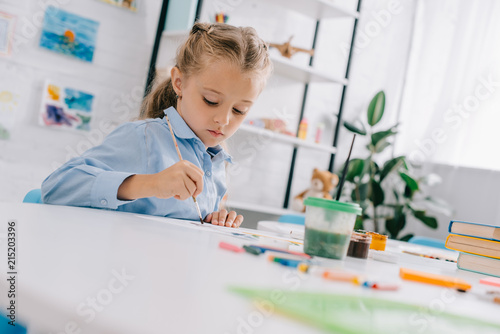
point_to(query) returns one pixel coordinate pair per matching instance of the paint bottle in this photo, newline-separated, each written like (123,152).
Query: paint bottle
(359,245)
(319,132)
(303,129)
(378,241)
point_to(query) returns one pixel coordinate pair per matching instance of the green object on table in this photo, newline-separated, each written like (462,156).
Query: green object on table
(353,314)
(252,250)
(325,244)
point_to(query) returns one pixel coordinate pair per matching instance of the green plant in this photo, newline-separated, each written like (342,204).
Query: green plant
(390,194)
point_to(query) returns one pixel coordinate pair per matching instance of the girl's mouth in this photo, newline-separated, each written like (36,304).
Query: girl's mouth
(215,133)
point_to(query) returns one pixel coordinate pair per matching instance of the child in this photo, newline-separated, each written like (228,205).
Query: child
(220,72)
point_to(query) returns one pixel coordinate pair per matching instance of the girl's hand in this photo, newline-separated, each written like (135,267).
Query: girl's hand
(181,180)
(222,218)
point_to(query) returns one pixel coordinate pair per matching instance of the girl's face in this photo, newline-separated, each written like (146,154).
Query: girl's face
(215,102)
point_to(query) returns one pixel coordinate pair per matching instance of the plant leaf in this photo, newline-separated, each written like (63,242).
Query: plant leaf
(376,108)
(377,193)
(358,225)
(374,168)
(381,145)
(358,128)
(378,136)
(406,237)
(408,193)
(410,182)
(363,191)
(397,223)
(427,220)
(391,165)
(356,168)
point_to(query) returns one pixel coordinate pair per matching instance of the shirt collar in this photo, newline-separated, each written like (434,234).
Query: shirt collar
(218,150)
(179,126)
(182,130)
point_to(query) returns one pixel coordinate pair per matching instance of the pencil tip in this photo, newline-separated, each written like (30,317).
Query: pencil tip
(201,220)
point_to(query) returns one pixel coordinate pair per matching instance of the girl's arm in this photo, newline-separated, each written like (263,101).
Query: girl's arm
(93,179)
(113,174)
(182,180)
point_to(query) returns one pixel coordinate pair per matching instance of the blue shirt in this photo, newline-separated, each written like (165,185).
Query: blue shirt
(141,147)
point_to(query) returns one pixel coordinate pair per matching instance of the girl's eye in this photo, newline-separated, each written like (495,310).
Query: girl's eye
(236,111)
(210,103)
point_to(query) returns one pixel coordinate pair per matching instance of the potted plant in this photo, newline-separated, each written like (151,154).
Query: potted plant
(389,192)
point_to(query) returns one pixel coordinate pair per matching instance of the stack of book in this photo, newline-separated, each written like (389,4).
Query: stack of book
(479,245)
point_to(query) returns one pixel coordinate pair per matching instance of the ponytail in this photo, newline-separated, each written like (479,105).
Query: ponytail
(162,96)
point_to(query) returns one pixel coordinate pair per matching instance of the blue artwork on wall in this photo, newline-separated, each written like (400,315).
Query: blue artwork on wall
(66,108)
(78,100)
(69,34)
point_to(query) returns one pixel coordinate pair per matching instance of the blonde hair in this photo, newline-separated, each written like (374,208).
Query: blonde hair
(208,43)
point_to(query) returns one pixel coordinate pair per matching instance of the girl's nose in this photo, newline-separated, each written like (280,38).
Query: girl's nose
(222,117)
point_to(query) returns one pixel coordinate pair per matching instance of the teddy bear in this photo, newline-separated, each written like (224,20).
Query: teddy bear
(322,182)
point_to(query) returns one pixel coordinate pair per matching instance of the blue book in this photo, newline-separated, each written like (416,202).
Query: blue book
(490,232)
(479,264)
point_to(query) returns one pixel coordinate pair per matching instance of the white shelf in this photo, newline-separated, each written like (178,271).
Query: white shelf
(316,9)
(282,65)
(261,208)
(278,137)
(302,73)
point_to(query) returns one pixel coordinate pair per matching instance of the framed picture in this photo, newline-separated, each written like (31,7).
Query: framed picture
(69,34)
(131,5)
(9,107)
(7,24)
(66,107)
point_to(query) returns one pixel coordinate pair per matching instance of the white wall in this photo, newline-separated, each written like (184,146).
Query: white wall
(117,75)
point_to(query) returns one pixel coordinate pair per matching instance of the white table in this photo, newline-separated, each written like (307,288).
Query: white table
(67,256)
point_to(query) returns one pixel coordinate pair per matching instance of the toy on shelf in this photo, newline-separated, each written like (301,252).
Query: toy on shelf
(287,50)
(303,129)
(221,17)
(319,133)
(273,124)
(322,182)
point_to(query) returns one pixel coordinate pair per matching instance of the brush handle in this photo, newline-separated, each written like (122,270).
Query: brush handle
(180,158)
(341,183)
(173,138)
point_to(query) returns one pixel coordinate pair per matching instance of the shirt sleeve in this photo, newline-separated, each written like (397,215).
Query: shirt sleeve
(93,179)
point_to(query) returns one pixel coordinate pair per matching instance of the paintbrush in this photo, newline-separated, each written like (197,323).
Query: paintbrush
(346,165)
(180,158)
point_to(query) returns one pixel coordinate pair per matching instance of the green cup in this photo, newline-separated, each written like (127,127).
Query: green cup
(329,225)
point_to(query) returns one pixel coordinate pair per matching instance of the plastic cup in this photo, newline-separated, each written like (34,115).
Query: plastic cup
(329,225)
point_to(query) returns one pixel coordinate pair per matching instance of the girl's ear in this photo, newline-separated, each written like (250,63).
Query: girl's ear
(176,76)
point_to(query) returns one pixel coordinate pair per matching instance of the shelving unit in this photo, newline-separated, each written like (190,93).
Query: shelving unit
(317,10)
(305,74)
(282,66)
(278,137)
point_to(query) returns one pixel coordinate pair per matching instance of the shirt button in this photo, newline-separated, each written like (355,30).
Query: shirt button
(208,173)
(104,202)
